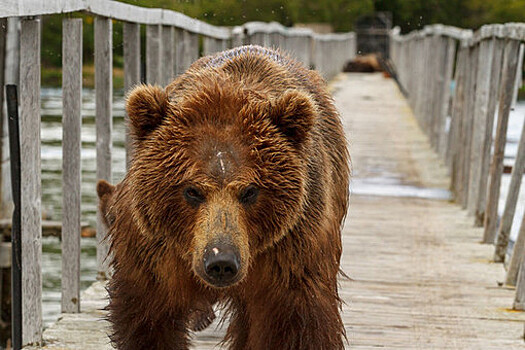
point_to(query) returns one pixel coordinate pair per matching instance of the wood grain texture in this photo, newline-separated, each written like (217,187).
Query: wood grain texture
(510,63)
(111,9)
(71,172)
(511,201)
(420,280)
(483,80)
(153,54)
(167,60)
(131,71)
(31,192)
(516,268)
(104,123)
(496,68)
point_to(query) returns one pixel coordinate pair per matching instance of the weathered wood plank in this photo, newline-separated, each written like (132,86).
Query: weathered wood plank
(71,173)
(496,68)
(445,101)
(469,125)
(510,63)
(113,9)
(167,63)
(31,219)
(519,269)
(505,225)
(153,54)
(516,262)
(104,123)
(131,71)
(180,48)
(486,55)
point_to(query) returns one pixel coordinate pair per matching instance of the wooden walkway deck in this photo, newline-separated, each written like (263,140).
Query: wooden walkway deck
(420,277)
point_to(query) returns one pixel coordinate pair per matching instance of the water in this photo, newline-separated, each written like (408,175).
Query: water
(52,186)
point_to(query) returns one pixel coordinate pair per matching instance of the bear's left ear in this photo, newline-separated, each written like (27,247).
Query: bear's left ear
(294,114)
(146,106)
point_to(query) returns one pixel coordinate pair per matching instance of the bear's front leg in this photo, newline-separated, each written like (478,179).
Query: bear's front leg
(141,320)
(296,319)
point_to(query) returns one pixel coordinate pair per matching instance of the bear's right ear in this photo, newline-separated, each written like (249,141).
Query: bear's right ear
(146,106)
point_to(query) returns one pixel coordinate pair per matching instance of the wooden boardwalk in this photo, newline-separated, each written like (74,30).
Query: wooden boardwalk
(420,277)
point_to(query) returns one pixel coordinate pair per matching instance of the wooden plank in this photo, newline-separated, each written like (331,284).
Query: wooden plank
(180,48)
(104,123)
(519,269)
(496,68)
(446,96)
(470,122)
(516,260)
(486,55)
(457,120)
(131,72)
(519,76)
(193,48)
(510,63)
(167,63)
(505,225)
(153,54)
(31,219)
(71,173)
(113,9)
(209,46)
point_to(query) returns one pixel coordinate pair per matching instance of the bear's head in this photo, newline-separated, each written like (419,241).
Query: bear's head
(219,173)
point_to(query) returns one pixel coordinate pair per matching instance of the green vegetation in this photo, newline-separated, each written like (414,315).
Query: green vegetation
(341,14)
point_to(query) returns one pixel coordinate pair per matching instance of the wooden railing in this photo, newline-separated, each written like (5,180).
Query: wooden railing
(172,44)
(485,67)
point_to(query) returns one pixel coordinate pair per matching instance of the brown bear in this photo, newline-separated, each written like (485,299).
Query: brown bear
(235,194)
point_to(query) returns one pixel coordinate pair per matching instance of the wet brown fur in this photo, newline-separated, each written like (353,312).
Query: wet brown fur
(248,116)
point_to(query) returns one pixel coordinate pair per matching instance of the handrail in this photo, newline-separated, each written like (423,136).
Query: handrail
(114,10)
(488,66)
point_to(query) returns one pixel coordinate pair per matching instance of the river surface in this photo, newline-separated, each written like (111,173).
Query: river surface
(52,184)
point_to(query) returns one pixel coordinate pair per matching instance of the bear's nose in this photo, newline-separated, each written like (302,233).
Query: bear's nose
(221,263)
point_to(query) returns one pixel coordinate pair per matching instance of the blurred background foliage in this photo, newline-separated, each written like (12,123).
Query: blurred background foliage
(340,14)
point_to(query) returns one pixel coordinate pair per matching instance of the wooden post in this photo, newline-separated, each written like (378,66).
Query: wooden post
(516,259)
(167,63)
(193,48)
(510,204)
(131,71)
(498,48)
(30,182)
(104,123)
(179,51)
(519,301)
(519,76)
(469,125)
(71,146)
(445,95)
(457,120)
(153,54)
(486,54)
(510,64)
(209,46)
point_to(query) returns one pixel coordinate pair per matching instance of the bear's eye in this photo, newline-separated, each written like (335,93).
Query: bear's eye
(193,196)
(249,195)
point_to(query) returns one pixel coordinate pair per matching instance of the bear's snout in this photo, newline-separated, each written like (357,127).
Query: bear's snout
(221,264)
